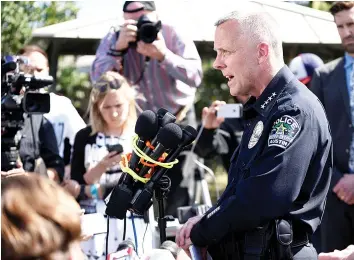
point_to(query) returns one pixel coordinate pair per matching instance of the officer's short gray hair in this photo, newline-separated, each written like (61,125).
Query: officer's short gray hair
(259,26)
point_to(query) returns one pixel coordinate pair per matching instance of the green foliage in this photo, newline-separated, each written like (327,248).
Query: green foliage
(214,87)
(321,5)
(19,18)
(75,85)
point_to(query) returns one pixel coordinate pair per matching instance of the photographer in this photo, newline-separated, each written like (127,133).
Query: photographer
(165,71)
(219,136)
(26,136)
(63,115)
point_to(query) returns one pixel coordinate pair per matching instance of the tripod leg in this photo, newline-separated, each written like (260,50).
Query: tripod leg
(161,220)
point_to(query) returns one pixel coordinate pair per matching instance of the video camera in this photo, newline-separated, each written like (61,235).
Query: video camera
(19,94)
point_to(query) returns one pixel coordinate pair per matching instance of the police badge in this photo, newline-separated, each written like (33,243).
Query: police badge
(256,134)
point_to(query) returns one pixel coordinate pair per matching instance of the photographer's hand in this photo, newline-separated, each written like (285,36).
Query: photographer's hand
(127,33)
(209,115)
(155,50)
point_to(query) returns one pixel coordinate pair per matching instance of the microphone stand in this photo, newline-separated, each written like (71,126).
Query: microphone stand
(161,220)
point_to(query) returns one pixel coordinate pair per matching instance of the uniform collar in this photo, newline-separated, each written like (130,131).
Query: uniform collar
(267,99)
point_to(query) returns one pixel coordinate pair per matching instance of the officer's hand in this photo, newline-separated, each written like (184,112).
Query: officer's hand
(345,189)
(209,115)
(155,50)
(127,33)
(346,254)
(182,236)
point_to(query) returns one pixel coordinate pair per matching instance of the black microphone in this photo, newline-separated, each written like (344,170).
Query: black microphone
(146,128)
(142,198)
(120,198)
(189,135)
(168,137)
(164,117)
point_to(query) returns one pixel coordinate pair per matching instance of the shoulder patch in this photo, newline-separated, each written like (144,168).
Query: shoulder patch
(283,132)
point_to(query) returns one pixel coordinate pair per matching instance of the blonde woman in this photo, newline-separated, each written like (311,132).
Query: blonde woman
(94,170)
(39,220)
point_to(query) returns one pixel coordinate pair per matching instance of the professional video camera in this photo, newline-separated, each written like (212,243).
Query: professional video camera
(156,146)
(19,94)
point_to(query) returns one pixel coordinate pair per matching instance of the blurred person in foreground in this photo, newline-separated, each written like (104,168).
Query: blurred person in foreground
(166,72)
(303,66)
(333,84)
(280,173)
(63,116)
(39,220)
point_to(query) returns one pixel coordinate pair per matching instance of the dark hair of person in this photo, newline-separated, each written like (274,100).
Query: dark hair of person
(341,6)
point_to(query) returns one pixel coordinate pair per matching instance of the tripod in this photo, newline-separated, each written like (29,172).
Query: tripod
(162,219)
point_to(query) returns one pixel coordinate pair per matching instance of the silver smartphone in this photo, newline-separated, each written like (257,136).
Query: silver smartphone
(230,111)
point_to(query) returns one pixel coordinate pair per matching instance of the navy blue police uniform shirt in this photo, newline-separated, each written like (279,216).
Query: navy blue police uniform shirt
(282,168)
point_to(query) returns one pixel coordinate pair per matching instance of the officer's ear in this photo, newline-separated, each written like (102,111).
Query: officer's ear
(262,52)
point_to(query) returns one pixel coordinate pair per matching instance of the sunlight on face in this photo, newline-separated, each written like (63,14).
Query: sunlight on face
(234,57)
(38,64)
(114,108)
(345,25)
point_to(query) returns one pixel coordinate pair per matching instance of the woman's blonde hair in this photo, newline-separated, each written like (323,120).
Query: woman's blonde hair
(39,219)
(109,81)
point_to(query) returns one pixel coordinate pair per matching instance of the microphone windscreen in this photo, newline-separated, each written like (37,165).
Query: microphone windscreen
(189,134)
(161,112)
(170,136)
(170,246)
(147,125)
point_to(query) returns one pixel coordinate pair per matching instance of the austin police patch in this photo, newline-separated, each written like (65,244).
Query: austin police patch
(283,132)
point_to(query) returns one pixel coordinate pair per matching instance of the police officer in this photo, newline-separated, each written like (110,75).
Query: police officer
(280,173)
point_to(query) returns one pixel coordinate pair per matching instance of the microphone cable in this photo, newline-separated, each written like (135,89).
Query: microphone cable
(203,166)
(107,237)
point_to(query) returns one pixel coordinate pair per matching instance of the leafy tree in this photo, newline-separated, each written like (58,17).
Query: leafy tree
(19,18)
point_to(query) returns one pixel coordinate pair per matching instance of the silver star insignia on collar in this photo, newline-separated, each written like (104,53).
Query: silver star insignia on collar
(263,106)
(274,94)
(270,98)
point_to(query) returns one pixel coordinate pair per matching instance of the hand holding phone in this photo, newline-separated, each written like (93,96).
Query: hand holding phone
(230,111)
(118,148)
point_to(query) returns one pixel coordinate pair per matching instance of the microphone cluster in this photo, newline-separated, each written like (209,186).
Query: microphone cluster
(158,143)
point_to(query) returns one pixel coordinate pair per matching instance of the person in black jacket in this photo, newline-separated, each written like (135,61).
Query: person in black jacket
(36,141)
(219,136)
(333,84)
(281,170)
